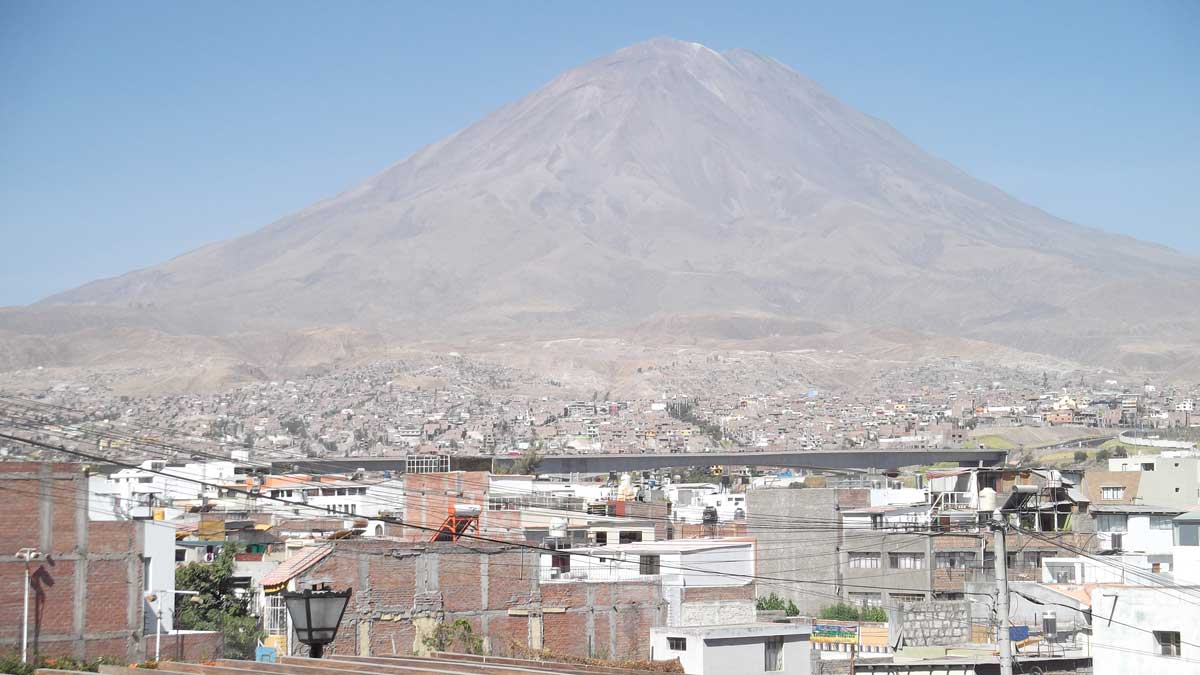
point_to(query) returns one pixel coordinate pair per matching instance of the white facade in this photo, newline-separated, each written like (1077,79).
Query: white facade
(681,562)
(1133,569)
(1144,630)
(354,497)
(1134,529)
(158,554)
(689,500)
(745,649)
(160,482)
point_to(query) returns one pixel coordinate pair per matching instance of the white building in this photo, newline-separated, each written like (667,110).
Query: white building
(1137,629)
(1185,554)
(677,565)
(1136,528)
(678,562)
(689,500)
(155,482)
(366,498)
(746,649)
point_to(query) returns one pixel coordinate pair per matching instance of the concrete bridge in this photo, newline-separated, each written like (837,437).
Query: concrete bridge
(812,459)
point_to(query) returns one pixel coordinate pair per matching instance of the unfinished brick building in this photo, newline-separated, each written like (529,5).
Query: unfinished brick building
(402,591)
(86,599)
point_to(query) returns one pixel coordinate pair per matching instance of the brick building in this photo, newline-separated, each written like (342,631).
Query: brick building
(87,592)
(86,596)
(403,590)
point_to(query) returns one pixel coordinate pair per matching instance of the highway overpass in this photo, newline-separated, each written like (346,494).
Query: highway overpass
(604,463)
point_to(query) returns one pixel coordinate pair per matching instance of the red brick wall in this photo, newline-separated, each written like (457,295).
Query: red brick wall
(395,582)
(108,557)
(701,531)
(205,646)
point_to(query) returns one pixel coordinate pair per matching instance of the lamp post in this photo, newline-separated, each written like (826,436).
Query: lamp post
(28,555)
(316,615)
(156,598)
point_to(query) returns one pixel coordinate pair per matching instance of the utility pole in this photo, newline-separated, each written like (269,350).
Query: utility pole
(1001,565)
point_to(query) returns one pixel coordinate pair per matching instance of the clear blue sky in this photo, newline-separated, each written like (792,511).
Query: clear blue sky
(131,132)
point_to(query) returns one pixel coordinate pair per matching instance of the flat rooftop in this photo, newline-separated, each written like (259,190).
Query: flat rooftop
(736,630)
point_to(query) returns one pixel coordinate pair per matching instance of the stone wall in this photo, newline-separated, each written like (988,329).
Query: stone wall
(933,624)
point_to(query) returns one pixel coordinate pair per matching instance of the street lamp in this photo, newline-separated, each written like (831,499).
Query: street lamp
(315,616)
(156,598)
(28,555)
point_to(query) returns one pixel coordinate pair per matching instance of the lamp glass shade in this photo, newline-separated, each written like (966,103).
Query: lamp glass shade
(316,615)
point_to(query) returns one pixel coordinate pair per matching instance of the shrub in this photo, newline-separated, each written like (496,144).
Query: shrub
(1081,456)
(775,603)
(875,614)
(840,612)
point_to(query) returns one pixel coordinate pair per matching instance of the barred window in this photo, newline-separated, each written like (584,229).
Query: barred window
(864,560)
(906,561)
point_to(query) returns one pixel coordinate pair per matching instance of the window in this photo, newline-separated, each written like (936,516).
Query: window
(867,599)
(953,560)
(906,597)
(1161,522)
(276,623)
(561,562)
(1148,466)
(677,644)
(906,561)
(648,564)
(629,537)
(1168,642)
(864,561)
(1111,522)
(773,654)
(1112,492)
(1187,534)
(601,537)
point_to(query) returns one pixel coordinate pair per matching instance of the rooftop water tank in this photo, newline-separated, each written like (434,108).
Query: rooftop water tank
(987,500)
(558,527)
(467,510)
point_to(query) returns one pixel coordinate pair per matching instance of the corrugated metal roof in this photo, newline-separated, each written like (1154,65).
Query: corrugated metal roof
(1135,508)
(297,564)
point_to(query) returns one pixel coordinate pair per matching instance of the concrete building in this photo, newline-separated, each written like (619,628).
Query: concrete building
(1135,528)
(1164,480)
(807,555)
(746,649)
(1145,630)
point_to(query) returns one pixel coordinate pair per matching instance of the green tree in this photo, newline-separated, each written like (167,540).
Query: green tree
(527,464)
(217,607)
(1103,456)
(1081,456)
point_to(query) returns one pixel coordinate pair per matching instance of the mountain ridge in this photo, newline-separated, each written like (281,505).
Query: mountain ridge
(666,180)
